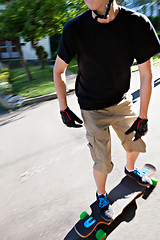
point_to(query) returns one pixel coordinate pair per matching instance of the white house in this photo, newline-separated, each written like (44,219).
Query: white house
(9,51)
(29,51)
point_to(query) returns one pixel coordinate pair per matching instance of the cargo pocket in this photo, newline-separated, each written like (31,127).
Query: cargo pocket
(91,144)
(91,140)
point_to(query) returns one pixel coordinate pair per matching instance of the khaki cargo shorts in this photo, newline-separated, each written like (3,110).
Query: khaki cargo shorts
(120,116)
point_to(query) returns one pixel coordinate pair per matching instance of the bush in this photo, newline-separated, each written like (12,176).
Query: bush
(4,77)
(5,81)
(4,70)
(5,88)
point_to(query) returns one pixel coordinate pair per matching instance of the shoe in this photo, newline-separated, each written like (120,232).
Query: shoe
(105,208)
(140,177)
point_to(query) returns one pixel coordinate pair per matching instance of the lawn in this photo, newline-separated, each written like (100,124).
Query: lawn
(42,83)
(42,80)
(73,66)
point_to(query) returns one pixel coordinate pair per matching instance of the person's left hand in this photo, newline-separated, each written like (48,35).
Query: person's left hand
(140,126)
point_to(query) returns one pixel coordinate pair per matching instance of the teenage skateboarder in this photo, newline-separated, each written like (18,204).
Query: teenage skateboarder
(106,39)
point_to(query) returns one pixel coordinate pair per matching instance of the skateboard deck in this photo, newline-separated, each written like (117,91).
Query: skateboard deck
(120,197)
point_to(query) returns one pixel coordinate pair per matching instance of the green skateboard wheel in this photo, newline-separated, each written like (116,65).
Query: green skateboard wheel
(84,215)
(154,181)
(101,235)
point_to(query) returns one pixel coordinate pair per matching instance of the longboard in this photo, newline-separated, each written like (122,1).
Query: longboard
(120,197)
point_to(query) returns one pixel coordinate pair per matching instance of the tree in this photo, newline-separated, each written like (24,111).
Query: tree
(75,7)
(36,19)
(10,29)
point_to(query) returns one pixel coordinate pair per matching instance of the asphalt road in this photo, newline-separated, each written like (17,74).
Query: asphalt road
(46,173)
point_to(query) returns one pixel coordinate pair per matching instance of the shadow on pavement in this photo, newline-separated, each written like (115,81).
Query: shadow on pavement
(3,111)
(156,82)
(136,94)
(7,116)
(127,215)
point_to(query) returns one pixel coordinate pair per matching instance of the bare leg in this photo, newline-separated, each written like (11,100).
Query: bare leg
(131,159)
(100,179)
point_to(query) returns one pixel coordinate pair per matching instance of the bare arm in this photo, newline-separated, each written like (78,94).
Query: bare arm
(140,125)
(145,70)
(68,117)
(59,81)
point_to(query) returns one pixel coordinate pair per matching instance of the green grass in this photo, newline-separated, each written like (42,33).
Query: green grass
(73,67)
(41,85)
(156,60)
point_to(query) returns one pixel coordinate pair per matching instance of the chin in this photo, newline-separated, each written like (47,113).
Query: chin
(91,5)
(92,9)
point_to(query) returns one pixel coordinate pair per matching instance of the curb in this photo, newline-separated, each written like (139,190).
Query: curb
(10,101)
(46,97)
(13,101)
(40,98)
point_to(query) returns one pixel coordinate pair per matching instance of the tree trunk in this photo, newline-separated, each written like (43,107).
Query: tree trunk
(40,56)
(24,62)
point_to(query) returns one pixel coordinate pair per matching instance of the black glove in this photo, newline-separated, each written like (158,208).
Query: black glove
(69,118)
(140,126)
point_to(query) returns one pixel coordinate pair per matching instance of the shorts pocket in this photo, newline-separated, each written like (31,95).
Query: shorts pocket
(91,140)
(91,145)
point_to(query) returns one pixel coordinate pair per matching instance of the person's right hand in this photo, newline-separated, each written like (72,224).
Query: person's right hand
(70,119)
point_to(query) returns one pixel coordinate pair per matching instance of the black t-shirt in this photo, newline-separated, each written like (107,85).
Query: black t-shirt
(105,54)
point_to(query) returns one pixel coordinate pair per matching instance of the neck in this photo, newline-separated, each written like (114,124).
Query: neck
(112,13)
